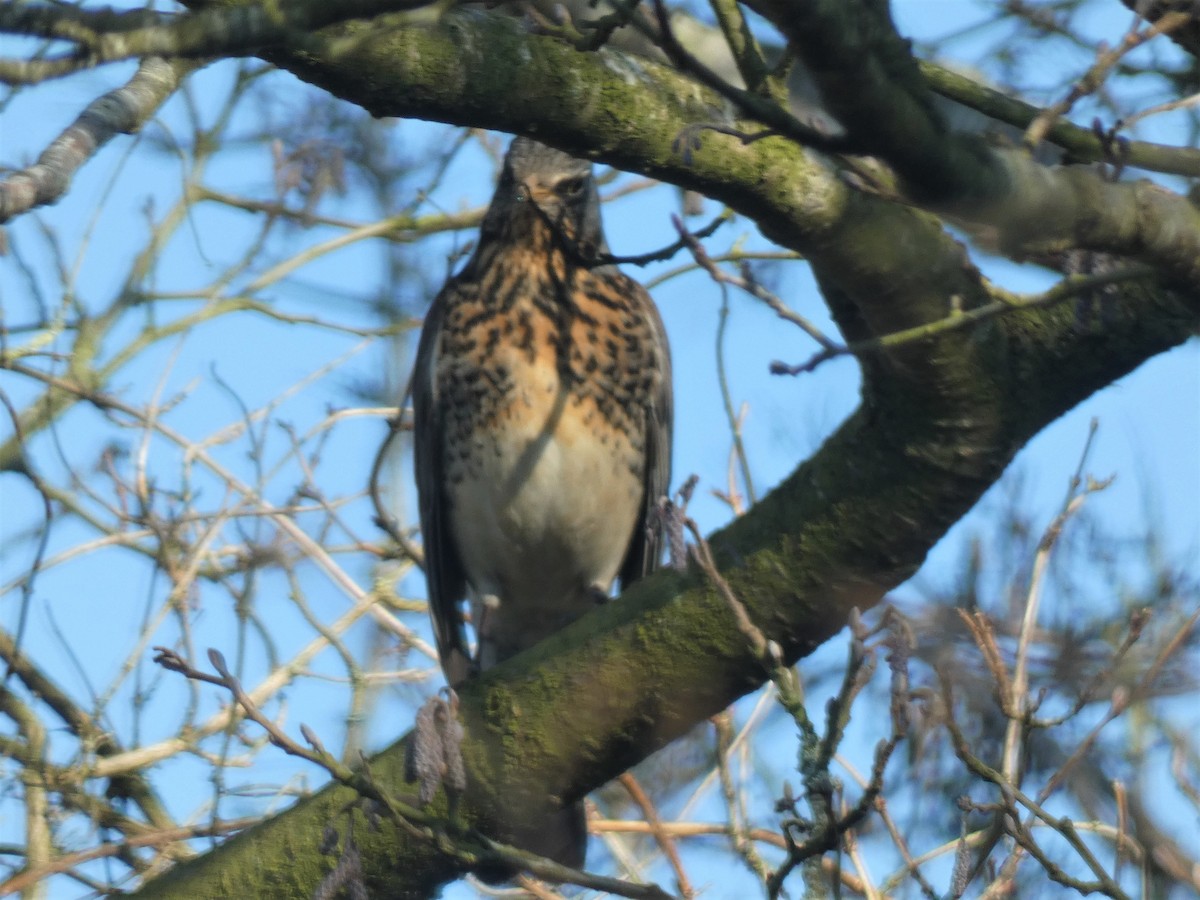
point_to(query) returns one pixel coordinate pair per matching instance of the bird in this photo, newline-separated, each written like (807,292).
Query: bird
(543,412)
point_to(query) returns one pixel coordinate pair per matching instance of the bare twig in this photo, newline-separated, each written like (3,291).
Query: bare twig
(1095,76)
(471,852)
(1071,286)
(751,286)
(150,839)
(664,839)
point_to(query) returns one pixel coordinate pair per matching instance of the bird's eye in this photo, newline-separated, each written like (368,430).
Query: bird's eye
(572,187)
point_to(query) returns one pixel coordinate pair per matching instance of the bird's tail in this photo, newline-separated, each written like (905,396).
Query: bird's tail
(560,836)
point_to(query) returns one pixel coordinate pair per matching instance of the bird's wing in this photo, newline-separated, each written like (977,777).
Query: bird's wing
(443,568)
(645,549)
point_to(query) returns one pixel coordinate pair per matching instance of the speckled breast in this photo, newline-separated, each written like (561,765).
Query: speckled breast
(546,376)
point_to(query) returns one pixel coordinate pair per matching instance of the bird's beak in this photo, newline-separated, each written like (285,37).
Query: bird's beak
(533,190)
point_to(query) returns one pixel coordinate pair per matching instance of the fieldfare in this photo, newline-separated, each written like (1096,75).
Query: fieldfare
(543,409)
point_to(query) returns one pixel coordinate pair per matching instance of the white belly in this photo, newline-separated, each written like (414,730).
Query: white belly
(544,521)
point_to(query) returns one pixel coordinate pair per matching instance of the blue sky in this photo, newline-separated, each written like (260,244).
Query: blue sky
(1149,422)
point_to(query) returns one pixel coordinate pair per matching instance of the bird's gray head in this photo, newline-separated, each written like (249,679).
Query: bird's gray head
(542,185)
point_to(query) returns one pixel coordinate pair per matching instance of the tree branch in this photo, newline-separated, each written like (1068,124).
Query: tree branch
(939,426)
(1082,144)
(875,89)
(121,111)
(940,420)
(105,36)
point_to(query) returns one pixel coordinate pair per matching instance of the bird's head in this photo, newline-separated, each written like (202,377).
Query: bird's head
(541,186)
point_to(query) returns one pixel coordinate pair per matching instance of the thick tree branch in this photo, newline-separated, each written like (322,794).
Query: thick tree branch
(875,90)
(105,36)
(449,72)
(939,422)
(630,677)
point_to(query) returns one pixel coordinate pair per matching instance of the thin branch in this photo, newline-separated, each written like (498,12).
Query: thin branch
(1071,286)
(1095,76)
(1017,729)
(686,239)
(751,286)
(1082,143)
(664,839)
(472,854)
(104,36)
(121,111)
(30,877)
(765,110)
(1063,825)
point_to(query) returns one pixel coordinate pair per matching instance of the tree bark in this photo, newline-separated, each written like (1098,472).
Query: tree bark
(939,421)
